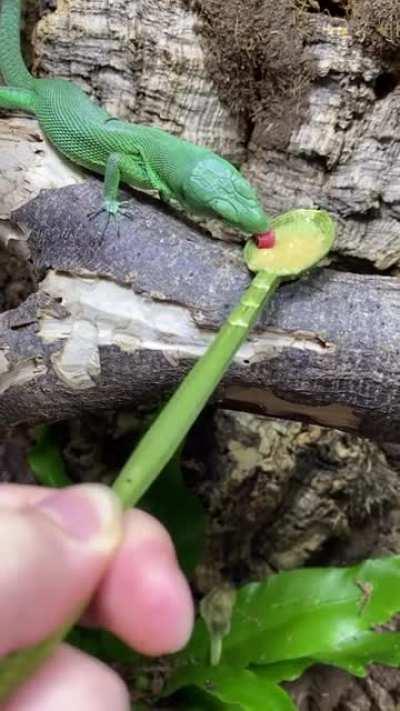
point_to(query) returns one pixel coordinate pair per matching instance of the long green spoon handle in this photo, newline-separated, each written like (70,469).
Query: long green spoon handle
(163,438)
(160,443)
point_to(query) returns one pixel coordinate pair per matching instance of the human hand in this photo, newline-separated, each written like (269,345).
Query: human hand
(60,549)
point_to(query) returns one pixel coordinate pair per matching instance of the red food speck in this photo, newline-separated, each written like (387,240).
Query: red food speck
(266,240)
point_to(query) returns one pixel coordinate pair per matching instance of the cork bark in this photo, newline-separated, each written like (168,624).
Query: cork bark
(150,62)
(120,317)
(327,350)
(117,321)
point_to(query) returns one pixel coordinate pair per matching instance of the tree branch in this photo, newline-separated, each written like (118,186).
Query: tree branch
(118,320)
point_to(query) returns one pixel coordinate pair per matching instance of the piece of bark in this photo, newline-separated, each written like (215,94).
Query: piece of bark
(282,495)
(120,319)
(365,372)
(147,62)
(143,61)
(28,164)
(344,157)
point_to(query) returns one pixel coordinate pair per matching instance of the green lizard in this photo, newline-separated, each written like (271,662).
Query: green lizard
(143,156)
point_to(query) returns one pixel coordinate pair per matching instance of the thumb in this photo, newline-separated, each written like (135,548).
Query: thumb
(53,555)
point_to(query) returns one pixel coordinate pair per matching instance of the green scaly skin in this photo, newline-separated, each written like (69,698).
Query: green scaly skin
(143,156)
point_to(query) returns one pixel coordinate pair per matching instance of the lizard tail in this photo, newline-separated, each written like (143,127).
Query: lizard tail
(12,65)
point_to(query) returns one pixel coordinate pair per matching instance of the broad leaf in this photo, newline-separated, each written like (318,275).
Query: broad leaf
(194,699)
(284,671)
(310,615)
(356,654)
(238,688)
(46,461)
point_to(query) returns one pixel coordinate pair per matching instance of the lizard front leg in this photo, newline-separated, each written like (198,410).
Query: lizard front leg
(20,99)
(113,175)
(112,178)
(156,183)
(132,168)
(121,167)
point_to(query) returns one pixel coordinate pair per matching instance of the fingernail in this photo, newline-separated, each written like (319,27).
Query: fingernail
(85,512)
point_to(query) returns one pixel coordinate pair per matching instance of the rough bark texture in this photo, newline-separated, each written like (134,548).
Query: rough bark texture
(151,65)
(284,495)
(344,157)
(143,61)
(120,318)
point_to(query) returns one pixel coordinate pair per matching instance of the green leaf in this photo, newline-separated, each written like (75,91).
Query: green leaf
(194,699)
(169,500)
(239,688)
(46,461)
(356,654)
(310,615)
(284,671)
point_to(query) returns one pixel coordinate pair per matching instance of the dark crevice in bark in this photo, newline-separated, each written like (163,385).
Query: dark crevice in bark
(16,279)
(332,7)
(356,265)
(385,84)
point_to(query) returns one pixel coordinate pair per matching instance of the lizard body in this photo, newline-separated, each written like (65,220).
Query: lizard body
(143,156)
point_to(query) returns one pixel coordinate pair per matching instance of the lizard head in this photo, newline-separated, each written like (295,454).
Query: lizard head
(215,188)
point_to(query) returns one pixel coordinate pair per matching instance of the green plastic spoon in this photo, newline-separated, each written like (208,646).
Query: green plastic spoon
(303,238)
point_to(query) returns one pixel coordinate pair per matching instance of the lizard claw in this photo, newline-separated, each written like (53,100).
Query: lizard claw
(95,213)
(128,212)
(112,214)
(109,216)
